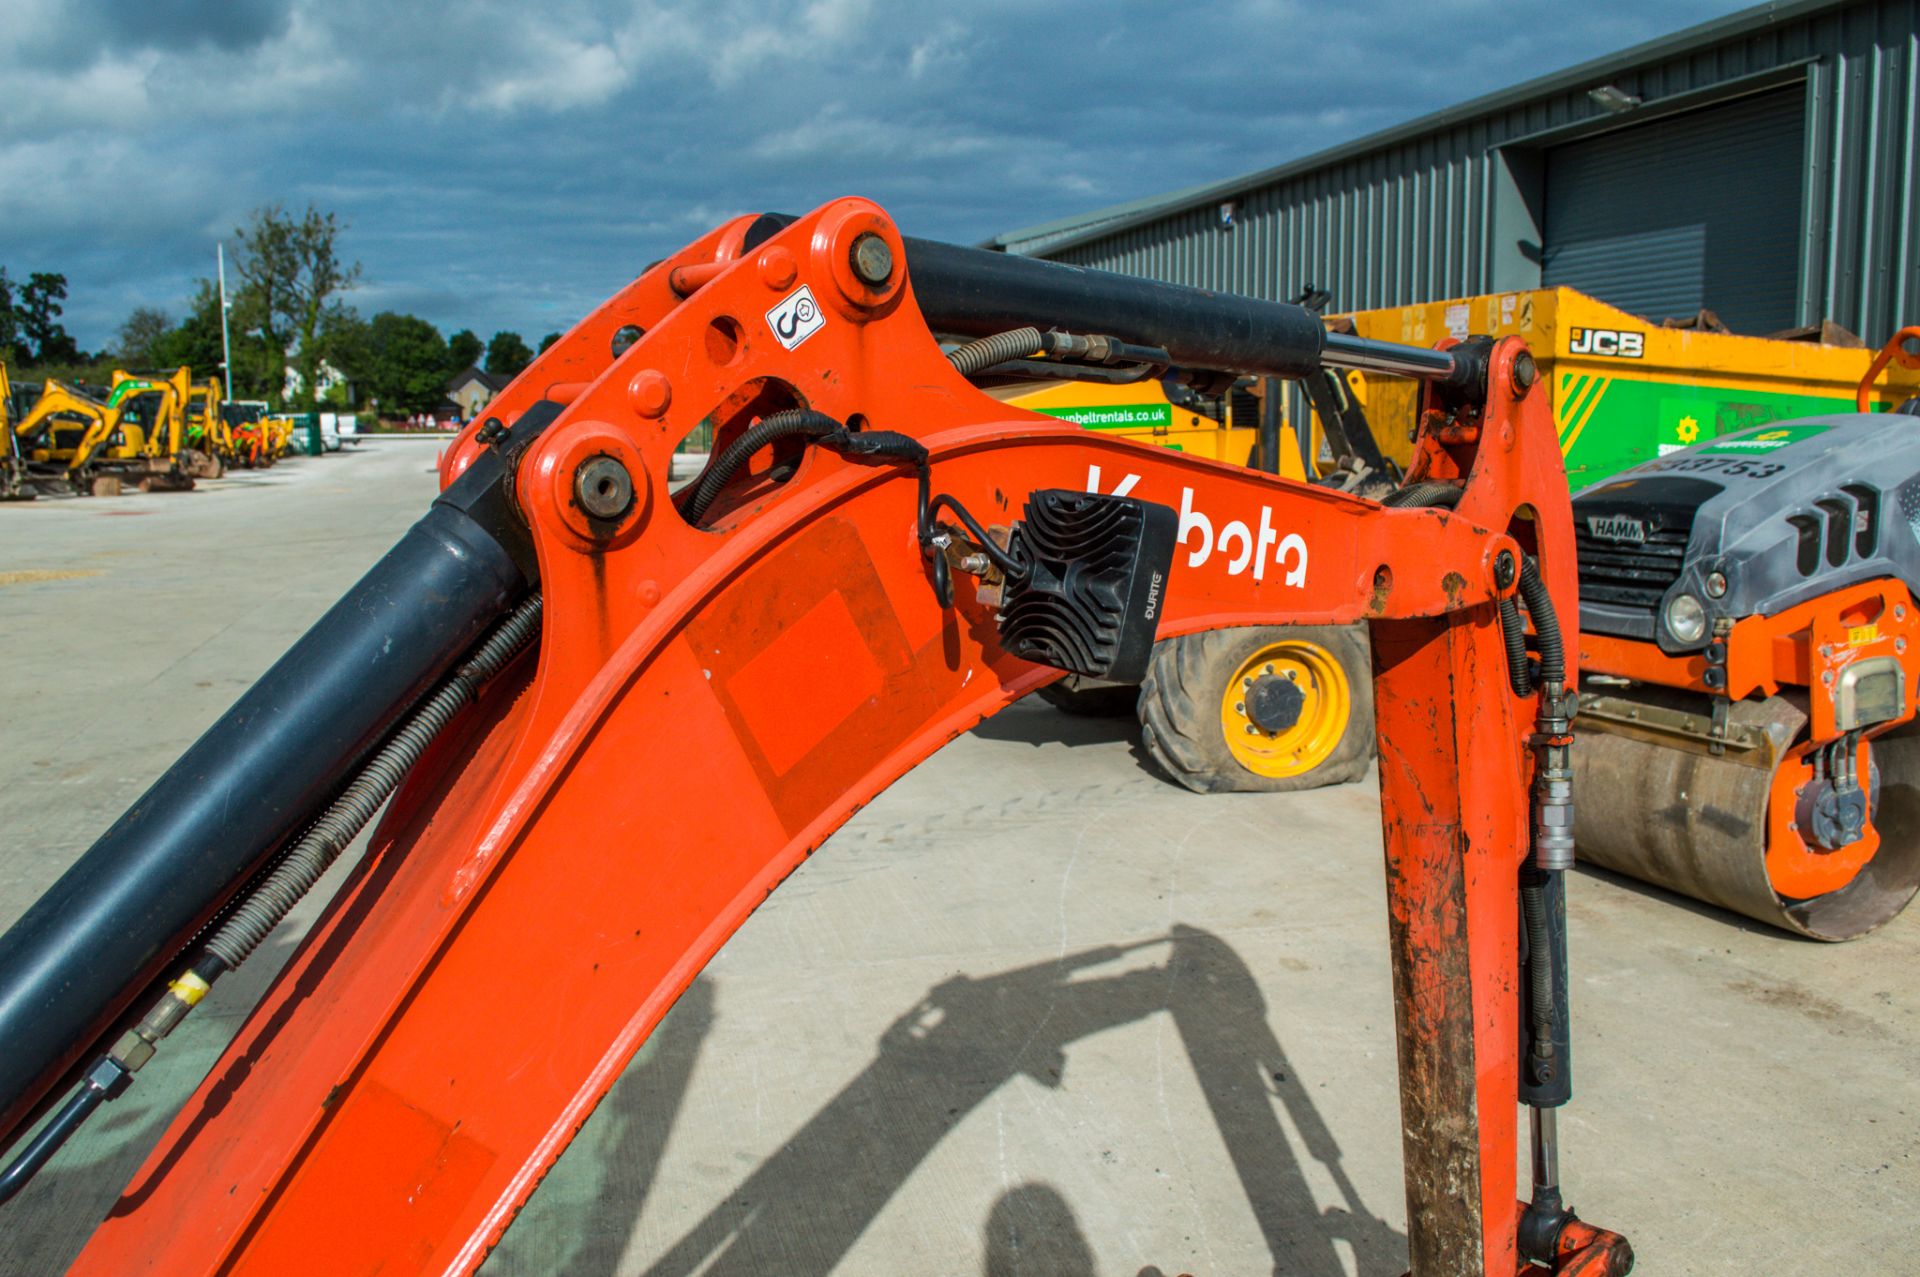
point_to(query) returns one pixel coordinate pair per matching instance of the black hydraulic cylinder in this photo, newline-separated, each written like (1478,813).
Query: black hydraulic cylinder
(106,929)
(978,292)
(1546,1030)
(973,292)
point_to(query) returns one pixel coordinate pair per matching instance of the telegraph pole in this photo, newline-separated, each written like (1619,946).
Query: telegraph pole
(226,346)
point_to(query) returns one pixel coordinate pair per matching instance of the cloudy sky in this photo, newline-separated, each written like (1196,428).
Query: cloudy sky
(506,164)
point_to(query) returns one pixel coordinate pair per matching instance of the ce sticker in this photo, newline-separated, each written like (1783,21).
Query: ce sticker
(796,318)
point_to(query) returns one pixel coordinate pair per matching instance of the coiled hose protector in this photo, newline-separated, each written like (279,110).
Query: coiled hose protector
(302,866)
(978,356)
(1513,633)
(1424,493)
(1533,907)
(1546,630)
(794,421)
(1546,623)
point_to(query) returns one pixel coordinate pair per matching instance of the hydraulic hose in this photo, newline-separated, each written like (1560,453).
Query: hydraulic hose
(1513,632)
(977,356)
(268,902)
(109,929)
(781,425)
(92,1094)
(1424,493)
(1546,625)
(1546,629)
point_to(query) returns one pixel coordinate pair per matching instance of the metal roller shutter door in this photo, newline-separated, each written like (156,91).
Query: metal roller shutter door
(1697,210)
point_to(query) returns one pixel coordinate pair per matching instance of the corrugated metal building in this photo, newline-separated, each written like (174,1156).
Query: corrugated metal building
(1761,165)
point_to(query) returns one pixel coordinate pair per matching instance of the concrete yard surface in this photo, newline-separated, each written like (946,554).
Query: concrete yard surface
(1033,1011)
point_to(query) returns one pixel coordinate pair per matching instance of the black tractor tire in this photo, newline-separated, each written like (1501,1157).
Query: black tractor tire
(1181,717)
(1091,700)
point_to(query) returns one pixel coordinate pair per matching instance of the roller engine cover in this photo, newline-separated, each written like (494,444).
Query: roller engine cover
(1750,523)
(1096,576)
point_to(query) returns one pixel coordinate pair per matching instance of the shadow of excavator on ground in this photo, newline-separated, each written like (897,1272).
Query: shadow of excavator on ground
(803,1209)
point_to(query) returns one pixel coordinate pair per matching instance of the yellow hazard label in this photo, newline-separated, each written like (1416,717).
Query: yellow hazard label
(1861,635)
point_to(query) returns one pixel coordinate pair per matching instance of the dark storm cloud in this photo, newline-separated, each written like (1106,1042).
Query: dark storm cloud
(505,165)
(94,26)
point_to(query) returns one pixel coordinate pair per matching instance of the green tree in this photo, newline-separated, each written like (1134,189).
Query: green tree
(507,354)
(346,342)
(140,335)
(291,275)
(195,340)
(547,341)
(37,314)
(10,349)
(463,351)
(403,363)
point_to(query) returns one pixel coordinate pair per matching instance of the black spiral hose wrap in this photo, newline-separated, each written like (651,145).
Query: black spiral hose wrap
(304,863)
(1424,493)
(977,356)
(1533,905)
(1546,625)
(794,421)
(1513,632)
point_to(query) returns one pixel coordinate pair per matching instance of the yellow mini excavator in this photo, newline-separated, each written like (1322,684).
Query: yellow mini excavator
(207,435)
(93,446)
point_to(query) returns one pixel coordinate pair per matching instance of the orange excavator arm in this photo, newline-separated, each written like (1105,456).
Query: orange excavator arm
(721,677)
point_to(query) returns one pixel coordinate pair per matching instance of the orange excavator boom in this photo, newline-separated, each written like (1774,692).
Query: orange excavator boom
(690,692)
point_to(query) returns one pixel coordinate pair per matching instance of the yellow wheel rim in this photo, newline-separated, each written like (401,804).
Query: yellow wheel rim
(1274,748)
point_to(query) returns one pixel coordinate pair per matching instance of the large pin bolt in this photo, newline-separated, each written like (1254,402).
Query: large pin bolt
(1525,372)
(603,488)
(872,259)
(1505,570)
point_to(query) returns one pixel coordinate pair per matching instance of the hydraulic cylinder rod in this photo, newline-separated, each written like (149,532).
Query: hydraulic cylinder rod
(104,931)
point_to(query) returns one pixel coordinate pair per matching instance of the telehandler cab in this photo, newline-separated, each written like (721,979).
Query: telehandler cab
(877,556)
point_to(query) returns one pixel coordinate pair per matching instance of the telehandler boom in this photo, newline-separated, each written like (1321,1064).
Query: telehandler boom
(878,556)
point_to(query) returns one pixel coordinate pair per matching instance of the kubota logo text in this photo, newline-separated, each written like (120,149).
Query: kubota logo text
(1243,547)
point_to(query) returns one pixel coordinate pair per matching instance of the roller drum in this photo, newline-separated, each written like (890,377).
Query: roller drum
(1672,813)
